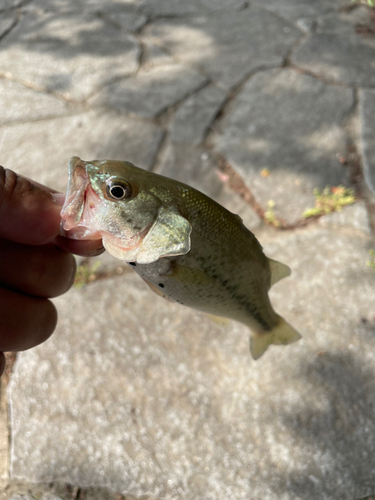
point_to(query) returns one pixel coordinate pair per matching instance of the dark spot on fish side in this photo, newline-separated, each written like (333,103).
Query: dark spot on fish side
(132,263)
(161,285)
(137,228)
(129,220)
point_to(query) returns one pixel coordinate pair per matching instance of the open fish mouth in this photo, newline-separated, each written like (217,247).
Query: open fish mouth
(80,204)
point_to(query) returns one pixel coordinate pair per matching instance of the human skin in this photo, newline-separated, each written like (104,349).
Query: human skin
(36,263)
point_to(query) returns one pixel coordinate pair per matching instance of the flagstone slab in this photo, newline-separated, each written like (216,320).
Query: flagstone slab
(367,114)
(283,135)
(344,59)
(344,23)
(27,104)
(150,398)
(195,116)
(183,8)
(130,21)
(69,54)
(10,4)
(41,150)
(79,5)
(192,165)
(227,45)
(352,217)
(153,56)
(151,91)
(301,9)
(7,21)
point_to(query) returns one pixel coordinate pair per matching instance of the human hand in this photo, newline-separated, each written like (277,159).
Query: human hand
(36,263)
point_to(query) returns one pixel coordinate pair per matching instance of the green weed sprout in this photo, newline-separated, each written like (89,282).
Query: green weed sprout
(371,263)
(330,200)
(270,215)
(370,3)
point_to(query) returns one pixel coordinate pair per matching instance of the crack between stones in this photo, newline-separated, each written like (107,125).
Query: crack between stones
(30,85)
(287,59)
(238,185)
(355,162)
(280,16)
(17,7)
(231,95)
(101,87)
(15,123)
(160,151)
(166,114)
(152,18)
(12,26)
(326,81)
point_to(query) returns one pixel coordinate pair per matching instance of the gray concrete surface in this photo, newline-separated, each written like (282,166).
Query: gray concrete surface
(135,397)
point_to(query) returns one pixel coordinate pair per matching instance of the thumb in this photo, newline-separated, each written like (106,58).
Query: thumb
(29,213)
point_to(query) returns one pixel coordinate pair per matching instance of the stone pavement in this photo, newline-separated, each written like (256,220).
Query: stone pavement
(256,103)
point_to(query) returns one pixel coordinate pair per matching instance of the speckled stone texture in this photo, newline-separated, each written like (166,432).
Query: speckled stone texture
(367,111)
(90,135)
(67,54)
(291,125)
(144,396)
(249,102)
(257,39)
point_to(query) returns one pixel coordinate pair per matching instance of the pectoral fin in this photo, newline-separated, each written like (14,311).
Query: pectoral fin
(169,235)
(282,334)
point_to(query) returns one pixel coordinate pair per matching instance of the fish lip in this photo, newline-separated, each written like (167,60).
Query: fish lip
(75,205)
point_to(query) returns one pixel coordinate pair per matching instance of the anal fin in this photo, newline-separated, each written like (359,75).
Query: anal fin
(218,320)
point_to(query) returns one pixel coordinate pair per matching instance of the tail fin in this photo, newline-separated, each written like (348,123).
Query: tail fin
(282,334)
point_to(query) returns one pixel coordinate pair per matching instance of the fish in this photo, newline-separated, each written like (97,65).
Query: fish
(186,247)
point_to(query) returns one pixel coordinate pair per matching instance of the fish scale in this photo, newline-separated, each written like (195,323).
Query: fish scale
(188,248)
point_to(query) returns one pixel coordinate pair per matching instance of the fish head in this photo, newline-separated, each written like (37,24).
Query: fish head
(118,202)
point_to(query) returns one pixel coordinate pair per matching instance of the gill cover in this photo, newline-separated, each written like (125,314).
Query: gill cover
(169,235)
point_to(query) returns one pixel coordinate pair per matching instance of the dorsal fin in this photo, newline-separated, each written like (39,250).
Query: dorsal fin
(278,270)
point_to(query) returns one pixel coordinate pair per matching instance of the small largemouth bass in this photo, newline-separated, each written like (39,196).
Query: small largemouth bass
(187,248)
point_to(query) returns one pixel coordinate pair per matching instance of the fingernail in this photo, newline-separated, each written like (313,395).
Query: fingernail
(58,198)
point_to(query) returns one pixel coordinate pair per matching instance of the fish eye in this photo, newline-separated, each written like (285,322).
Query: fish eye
(118,190)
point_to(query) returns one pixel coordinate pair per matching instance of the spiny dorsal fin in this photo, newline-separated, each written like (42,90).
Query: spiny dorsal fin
(278,270)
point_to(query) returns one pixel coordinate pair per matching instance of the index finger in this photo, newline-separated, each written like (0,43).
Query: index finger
(28,213)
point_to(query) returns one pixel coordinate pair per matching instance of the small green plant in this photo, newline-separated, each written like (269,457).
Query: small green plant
(330,200)
(371,263)
(270,215)
(370,3)
(86,273)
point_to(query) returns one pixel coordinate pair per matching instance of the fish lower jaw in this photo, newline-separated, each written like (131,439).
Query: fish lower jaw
(75,232)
